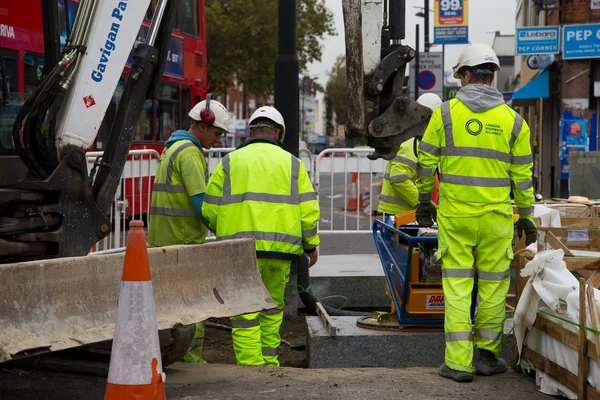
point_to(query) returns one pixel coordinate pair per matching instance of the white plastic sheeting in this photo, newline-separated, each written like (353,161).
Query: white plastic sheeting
(551,289)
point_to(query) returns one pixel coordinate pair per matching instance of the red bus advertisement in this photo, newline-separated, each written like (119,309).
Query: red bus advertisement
(184,80)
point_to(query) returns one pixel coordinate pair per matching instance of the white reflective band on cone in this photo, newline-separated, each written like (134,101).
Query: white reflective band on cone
(135,343)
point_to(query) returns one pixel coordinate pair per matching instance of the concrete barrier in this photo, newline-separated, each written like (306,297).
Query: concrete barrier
(56,304)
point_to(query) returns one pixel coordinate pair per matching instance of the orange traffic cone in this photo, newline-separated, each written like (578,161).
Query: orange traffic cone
(355,202)
(135,370)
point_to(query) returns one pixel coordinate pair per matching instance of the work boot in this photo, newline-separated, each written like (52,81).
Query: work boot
(489,364)
(457,376)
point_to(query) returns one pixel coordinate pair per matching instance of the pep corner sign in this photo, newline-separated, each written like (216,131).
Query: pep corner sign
(581,41)
(538,40)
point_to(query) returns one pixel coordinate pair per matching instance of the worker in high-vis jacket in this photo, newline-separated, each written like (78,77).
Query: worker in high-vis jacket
(399,192)
(180,186)
(262,191)
(483,149)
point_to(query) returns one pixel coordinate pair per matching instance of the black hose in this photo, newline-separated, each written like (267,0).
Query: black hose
(309,300)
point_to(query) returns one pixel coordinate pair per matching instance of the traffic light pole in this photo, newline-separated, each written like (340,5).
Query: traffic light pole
(286,74)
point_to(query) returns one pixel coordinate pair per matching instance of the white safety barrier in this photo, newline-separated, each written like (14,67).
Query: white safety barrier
(133,196)
(334,167)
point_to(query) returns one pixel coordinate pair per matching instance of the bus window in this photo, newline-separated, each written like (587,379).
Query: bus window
(189,17)
(175,20)
(185,102)
(148,16)
(15,99)
(32,72)
(167,113)
(143,126)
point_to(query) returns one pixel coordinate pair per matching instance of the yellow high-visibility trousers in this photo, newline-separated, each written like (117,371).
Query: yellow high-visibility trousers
(194,353)
(256,336)
(491,237)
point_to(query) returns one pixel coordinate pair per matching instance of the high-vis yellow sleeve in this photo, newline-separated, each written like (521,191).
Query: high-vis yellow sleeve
(400,177)
(521,174)
(212,199)
(309,210)
(191,166)
(430,150)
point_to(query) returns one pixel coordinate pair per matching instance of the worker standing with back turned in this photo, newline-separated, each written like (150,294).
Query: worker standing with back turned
(399,192)
(179,188)
(262,191)
(483,148)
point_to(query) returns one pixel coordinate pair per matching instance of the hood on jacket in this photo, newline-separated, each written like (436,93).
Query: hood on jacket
(480,98)
(182,135)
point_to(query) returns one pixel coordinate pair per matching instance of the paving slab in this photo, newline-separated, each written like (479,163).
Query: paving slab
(359,278)
(356,347)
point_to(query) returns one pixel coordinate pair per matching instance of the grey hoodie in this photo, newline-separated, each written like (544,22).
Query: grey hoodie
(480,98)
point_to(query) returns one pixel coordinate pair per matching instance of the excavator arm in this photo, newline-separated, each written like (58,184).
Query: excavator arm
(56,211)
(376,66)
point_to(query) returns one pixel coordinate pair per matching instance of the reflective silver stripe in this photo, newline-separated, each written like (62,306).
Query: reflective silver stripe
(229,198)
(477,152)
(396,178)
(309,233)
(212,199)
(525,211)
(458,273)
(488,335)
(272,236)
(406,161)
(522,160)
(271,311)
(168,186)
(270,352)
(425,196)
(429,148)
(426,172)
(524,185)
(197,343)
(515,130)
(493,276)
(172,212)
(309,196)
(163,187)
(244,323)
(393,200)
(475,181)
(447,119)
(458,336)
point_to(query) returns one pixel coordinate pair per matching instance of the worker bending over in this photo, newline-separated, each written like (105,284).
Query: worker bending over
(262,191)
(482,147)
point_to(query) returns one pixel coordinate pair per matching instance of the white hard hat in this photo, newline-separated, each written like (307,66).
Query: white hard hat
(216,114)
(269,113)
(430,100)
(476,54)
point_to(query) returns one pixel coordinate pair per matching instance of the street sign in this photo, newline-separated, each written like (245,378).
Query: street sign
(451,92)
(595,5)
(426,80)
(581,41)
(536,41)
(451,22)
(431,75)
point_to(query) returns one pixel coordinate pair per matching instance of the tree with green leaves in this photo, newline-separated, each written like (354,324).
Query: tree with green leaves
(336,89)
(242,40)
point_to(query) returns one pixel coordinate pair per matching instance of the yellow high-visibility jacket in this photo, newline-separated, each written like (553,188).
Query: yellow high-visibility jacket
(399,193)
(483,149)
(262,191)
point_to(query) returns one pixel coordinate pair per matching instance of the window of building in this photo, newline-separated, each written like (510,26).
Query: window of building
(168,111)
(189,17)
(527,12)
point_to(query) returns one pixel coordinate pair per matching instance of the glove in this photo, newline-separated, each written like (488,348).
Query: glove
(529,228)
(426,212)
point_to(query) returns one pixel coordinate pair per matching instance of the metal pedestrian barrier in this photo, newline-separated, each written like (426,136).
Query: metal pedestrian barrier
(133,196)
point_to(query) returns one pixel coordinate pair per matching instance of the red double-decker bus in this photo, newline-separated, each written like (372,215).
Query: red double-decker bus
(22,54)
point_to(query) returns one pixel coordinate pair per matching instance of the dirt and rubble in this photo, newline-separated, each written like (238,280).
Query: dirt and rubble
(222,379)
